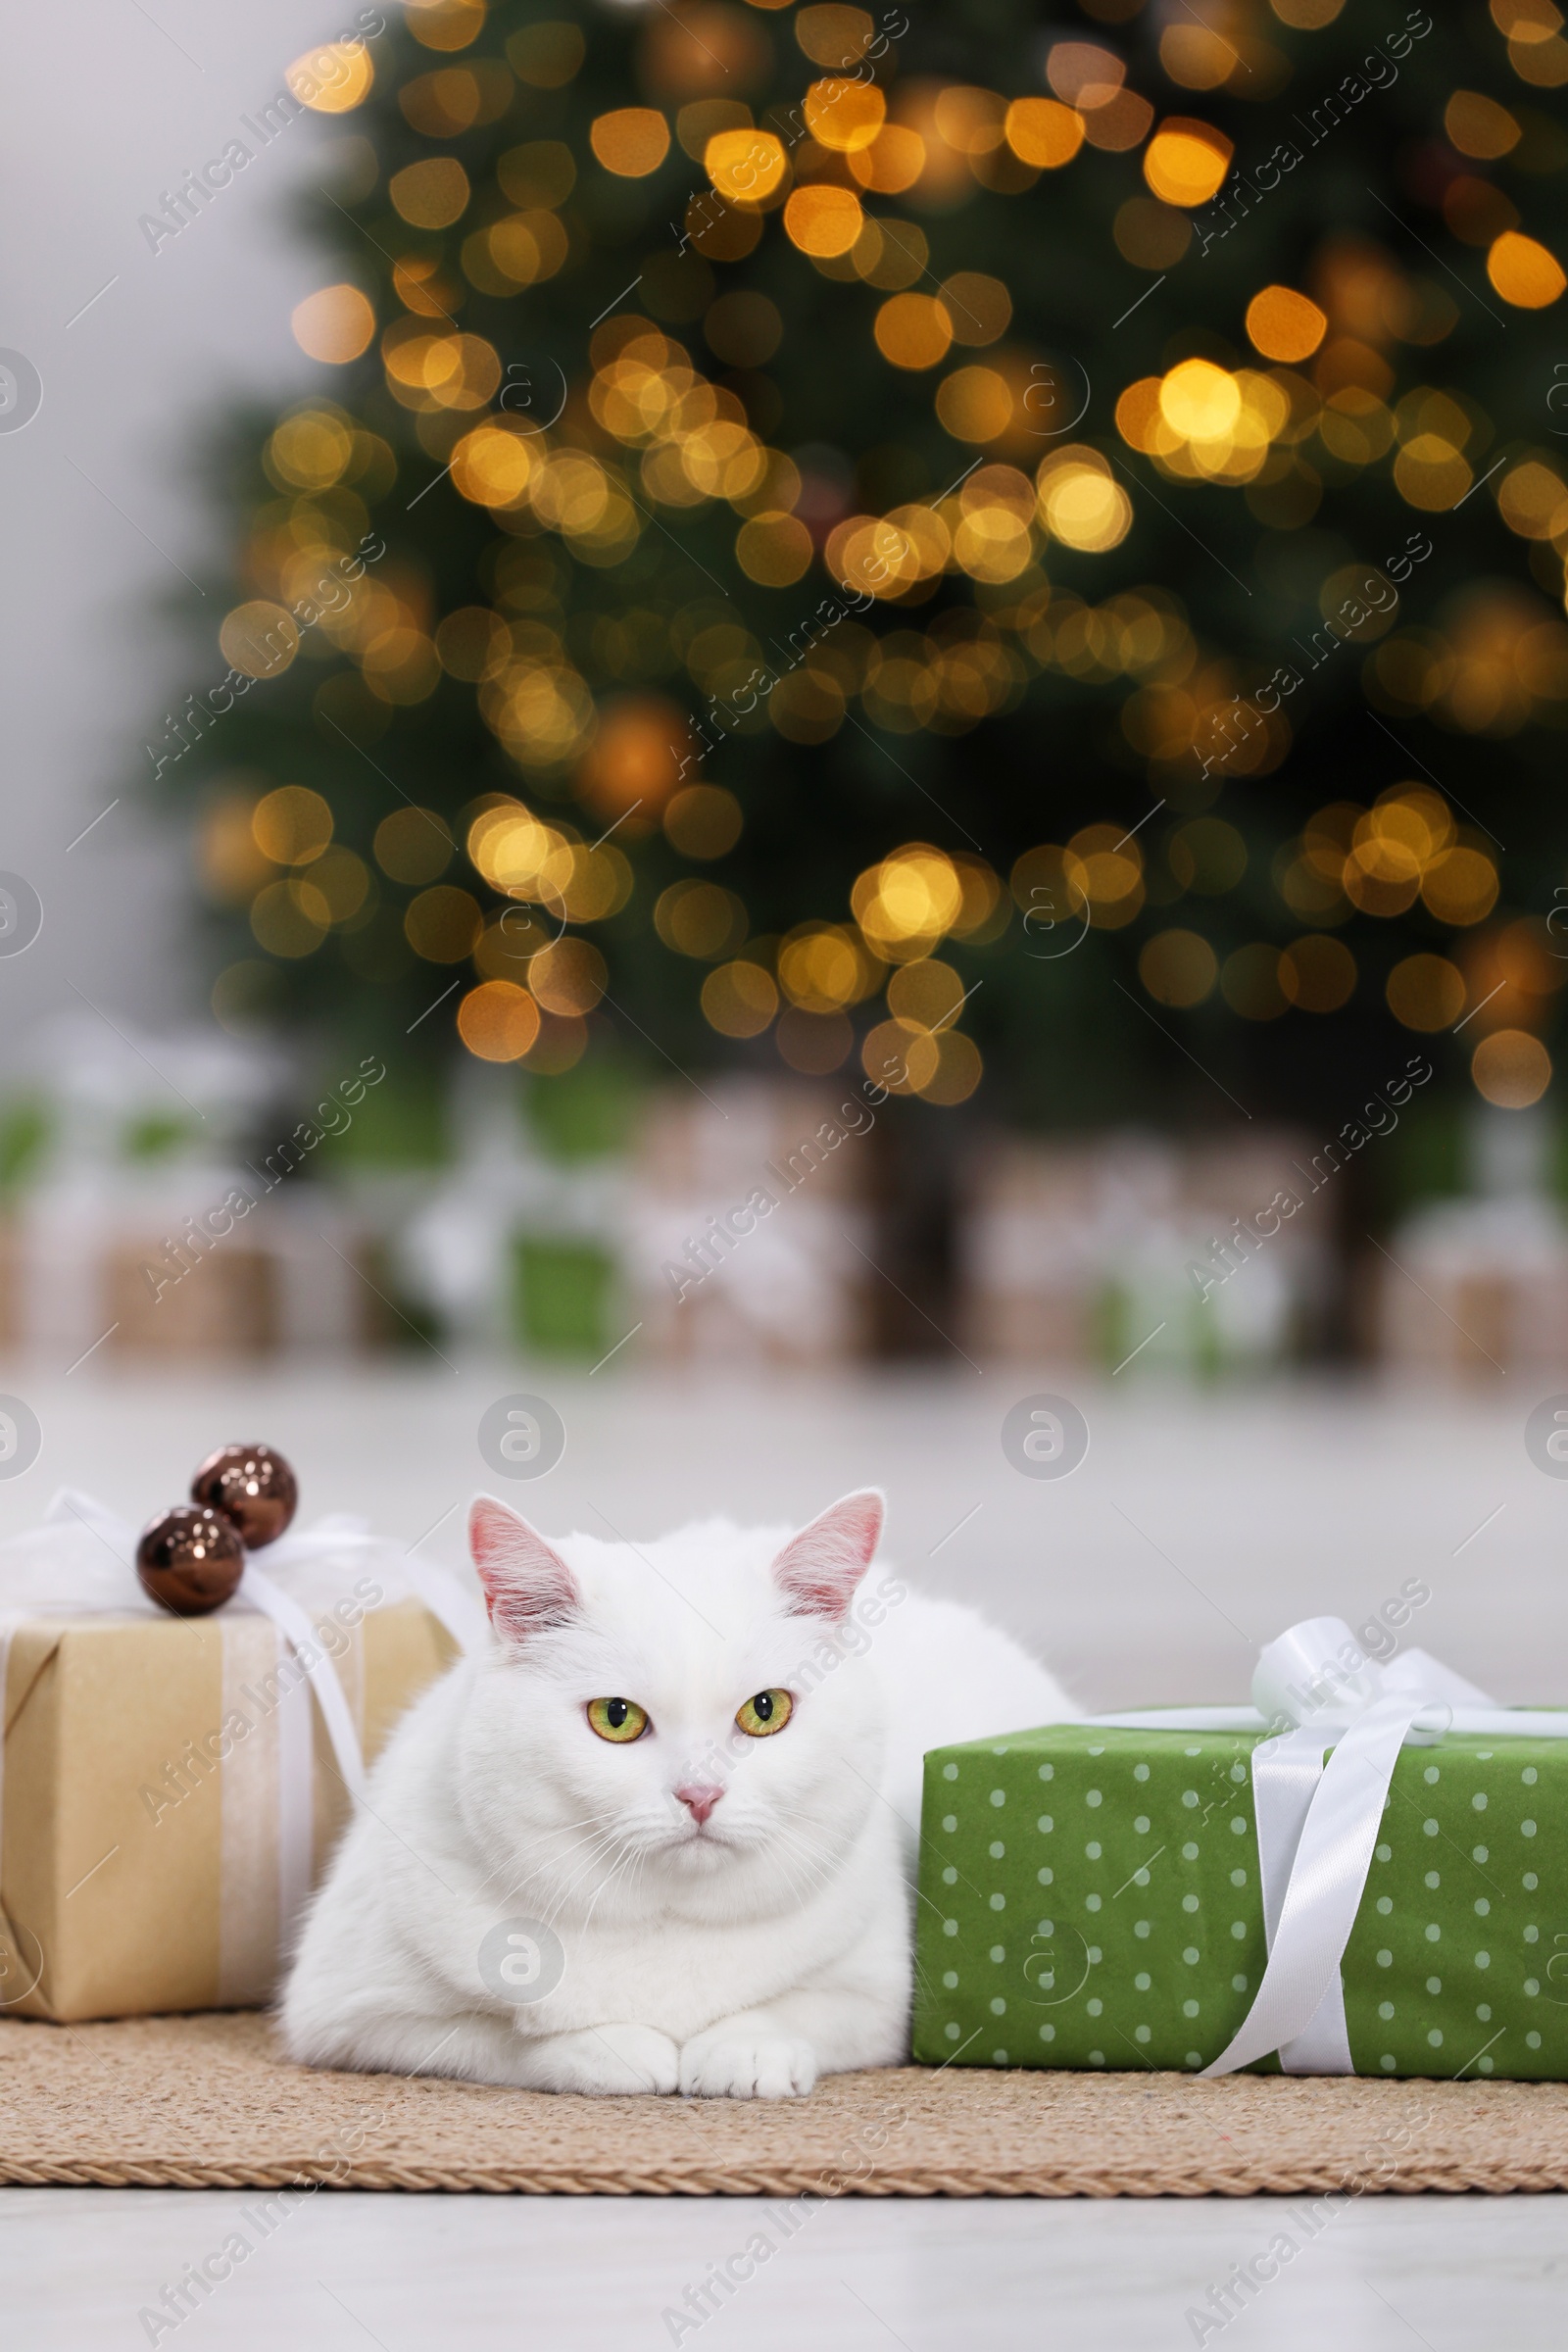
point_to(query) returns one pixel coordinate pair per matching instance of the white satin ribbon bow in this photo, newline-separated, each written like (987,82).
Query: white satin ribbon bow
(1319,1788)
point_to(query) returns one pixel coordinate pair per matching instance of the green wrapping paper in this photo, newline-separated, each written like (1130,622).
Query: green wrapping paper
(1091,1897)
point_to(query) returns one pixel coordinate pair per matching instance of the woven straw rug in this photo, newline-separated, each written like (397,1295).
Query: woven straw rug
(205,2102)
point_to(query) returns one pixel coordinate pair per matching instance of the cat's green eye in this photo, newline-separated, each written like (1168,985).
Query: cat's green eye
(617,1719)
(768,1712)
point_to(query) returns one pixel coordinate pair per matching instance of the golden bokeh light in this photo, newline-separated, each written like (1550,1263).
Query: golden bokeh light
(833,36)
(1044,132)
(229,860)
(1177,967)
(333,79)
(700,919)
(894,160)
(746,166)
(913,331)
(906,903)
(1533,500)
(493,466)
(568,977)
(898,1057)
(446,23)
(845,116)
(516,853)
(1524,273)
(443,924)
(547,56)
(926,994)
(985,914)
(427,371)
(1084,73)
(969,118)
(632,141)
(498,1021)
(979,308)
(1431,474)
(291,826)
(974,403)
(1460,887)
(1200,60)
(821,218)
(1081,502)
(561,1045)
(808,706)
(443,104)
(283,924)
(259,639)
(311,450)
(634,761)
(1199,401)
(739,998)
(334,325)
(1285,325)
(1102,868)
(1317,974)
(1478,126)
(957,1072)
(400,665)
(414,845)
(821,968)
(774,549)
(1149,234)
(542,172)
(703,820)
(432,194)
(1186,162)
(1426,991)
(341,882)
(1511,1069)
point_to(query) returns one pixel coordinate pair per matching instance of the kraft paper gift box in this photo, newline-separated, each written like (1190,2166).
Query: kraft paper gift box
(1121,1893)
(172,1787)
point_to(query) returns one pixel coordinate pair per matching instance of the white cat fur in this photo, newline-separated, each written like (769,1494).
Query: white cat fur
(741,1954)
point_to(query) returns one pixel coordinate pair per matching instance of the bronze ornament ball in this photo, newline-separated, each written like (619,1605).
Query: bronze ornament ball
(253,1488)
(189,1560)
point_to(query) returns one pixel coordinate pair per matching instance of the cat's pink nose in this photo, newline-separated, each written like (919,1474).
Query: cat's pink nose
(698,1798)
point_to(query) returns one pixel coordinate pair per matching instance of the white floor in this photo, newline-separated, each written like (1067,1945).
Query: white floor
(526,2274)
(1196,1528)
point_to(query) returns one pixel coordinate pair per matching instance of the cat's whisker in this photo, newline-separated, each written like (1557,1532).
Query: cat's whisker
(564,1891)
(626,1863)
(595,1845)
(819,1860)
(605,1846)
(589,1820)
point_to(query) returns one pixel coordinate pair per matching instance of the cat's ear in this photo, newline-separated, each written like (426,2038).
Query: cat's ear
(820,1567)
(527,1586)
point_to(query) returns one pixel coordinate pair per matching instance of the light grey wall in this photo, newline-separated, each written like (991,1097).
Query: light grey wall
(102,107)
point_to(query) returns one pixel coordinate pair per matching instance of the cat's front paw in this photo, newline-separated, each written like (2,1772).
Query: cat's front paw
(611,2062)
(729,2063)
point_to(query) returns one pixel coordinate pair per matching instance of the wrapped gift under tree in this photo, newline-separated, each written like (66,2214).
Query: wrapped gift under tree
(1366,1874)
(186,1735)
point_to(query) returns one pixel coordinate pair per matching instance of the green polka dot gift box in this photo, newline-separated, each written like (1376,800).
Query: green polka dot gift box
(1097,1895)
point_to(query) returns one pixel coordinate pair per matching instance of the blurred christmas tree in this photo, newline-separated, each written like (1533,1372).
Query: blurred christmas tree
(808,512)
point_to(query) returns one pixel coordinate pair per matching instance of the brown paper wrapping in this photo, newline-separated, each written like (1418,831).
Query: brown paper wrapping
(133,1877)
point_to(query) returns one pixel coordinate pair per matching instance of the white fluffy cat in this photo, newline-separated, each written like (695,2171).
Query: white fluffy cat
(692,1770)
